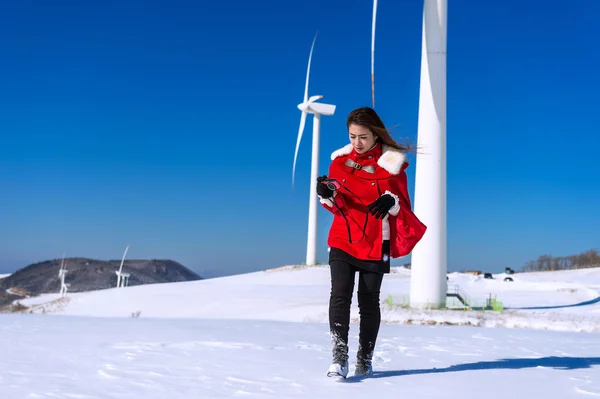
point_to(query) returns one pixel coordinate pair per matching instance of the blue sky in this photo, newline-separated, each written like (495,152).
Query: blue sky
(171,126)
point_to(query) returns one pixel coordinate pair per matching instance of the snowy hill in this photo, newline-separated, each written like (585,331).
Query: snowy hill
(85,274)
(544,300)
(265,334)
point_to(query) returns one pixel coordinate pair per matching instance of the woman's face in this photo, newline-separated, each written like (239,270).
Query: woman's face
(361,138)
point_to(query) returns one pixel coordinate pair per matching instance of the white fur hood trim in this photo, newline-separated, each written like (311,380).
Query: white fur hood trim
(391,159)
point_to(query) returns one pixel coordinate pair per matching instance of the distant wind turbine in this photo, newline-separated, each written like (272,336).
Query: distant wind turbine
(310,106)
(122,278)
(373,53)
(61,275)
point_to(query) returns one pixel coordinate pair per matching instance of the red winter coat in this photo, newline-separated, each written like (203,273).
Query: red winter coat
(388,166)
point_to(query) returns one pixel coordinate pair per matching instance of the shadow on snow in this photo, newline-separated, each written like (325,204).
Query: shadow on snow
(558,363)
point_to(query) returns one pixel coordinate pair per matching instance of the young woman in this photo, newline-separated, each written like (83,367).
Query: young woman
(366,191)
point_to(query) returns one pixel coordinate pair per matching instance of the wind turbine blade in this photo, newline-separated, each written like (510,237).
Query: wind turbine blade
(314,98)
(123,260)
(300,131)
(373,53)
(308,69)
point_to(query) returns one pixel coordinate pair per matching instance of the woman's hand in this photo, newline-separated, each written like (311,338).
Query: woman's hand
(381,206)
(322,189)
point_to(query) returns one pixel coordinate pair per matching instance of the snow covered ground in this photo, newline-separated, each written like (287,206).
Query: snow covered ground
(265,335)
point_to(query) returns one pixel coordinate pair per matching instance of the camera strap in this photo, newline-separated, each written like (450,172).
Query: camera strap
(364,228)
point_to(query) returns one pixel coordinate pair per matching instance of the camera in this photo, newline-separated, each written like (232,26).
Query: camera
(332,184)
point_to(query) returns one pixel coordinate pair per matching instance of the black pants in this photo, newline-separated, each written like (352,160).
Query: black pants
(342,287)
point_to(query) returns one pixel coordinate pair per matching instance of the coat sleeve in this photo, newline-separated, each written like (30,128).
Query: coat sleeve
(333,205)
(406,228)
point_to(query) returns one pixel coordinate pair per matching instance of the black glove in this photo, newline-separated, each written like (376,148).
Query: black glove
(381,206)
(322,189)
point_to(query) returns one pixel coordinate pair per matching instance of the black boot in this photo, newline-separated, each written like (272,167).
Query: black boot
(364,360)
(339,365)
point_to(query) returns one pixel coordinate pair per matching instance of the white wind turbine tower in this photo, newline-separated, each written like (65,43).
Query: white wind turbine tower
(428,286)
(122,278)
(61,275)
(310,106)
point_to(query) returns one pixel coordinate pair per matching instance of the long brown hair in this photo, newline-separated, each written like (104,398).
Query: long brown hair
(367,117)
